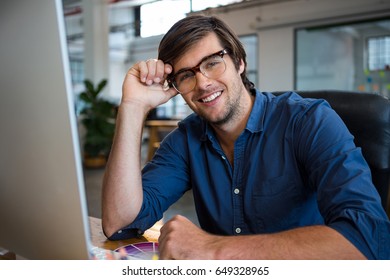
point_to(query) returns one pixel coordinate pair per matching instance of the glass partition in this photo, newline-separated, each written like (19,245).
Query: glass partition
(344,57)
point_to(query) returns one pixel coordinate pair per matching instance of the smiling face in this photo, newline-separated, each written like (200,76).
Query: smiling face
(219,100)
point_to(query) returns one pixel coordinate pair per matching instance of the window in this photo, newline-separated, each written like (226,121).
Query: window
(77,70)
(157,17)
(250,43)
(378,50)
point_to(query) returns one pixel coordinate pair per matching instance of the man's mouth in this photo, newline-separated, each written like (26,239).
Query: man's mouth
(211,97)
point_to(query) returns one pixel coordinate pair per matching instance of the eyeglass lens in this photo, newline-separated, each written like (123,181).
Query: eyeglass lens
(212,67)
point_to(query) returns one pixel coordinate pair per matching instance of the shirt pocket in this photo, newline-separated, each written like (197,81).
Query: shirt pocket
(275,186)
(276,203)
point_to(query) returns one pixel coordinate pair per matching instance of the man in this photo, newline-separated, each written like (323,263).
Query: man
(272,177)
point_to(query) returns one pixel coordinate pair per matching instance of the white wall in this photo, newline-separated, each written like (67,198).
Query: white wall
(276,52)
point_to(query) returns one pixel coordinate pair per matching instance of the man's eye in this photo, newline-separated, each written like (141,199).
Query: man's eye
(184,76)
(212,63)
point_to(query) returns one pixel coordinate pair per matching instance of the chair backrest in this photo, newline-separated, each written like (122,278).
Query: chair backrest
(367,116)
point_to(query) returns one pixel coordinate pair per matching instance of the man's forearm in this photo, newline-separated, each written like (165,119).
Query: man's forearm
(122,184)
(312,242)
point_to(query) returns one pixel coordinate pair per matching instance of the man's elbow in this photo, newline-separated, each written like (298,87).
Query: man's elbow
(108,227)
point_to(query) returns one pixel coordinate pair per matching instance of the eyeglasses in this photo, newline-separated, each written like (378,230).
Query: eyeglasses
(211,66)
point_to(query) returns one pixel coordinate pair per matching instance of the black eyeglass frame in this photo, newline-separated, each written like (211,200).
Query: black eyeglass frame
(196,68)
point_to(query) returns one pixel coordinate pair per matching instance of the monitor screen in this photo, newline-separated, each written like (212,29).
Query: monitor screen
(43,212)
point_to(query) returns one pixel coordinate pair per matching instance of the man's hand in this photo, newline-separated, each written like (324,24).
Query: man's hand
(144,84)
(181,239)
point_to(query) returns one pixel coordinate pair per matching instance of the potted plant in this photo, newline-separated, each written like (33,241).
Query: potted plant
(98,118)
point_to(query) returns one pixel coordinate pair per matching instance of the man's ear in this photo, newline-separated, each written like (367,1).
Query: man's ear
(241,67)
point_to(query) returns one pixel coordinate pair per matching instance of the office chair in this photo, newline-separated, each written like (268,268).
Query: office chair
(367,116)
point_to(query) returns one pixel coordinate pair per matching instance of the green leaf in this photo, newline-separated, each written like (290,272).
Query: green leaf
(85,97)
(89,86)
(101,85)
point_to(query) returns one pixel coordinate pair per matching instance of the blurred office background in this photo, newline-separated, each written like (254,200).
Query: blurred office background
(291,45)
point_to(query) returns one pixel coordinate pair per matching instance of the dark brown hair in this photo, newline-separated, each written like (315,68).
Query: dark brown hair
(190,30)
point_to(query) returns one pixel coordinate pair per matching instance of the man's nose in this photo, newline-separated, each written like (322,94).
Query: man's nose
(202,81)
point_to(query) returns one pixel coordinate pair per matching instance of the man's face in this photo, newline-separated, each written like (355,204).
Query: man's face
(215,99)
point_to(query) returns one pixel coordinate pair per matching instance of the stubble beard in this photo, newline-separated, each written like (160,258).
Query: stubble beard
(232,111)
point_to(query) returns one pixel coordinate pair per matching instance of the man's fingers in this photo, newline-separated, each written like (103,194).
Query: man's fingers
(153,72)
(150,71)
(156,71)
(134,72)
(159,74)
(143,71)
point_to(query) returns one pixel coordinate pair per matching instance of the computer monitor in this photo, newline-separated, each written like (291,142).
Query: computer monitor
(43,213)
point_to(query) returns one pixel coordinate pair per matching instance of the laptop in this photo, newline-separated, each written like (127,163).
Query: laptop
(43,212)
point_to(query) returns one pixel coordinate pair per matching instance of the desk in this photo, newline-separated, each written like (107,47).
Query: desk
(100,240)
(157,128)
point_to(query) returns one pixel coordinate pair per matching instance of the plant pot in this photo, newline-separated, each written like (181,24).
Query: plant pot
(95,162)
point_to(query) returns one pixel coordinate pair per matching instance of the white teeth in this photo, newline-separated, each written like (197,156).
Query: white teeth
(212,97)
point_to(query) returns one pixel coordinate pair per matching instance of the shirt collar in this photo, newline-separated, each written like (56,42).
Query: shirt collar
(256,118)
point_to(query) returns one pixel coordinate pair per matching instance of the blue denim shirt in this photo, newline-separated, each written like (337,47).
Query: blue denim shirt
(294,165)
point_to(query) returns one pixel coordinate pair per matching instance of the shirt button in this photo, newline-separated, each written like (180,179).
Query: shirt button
(238,230)
(236,191)
(223,157)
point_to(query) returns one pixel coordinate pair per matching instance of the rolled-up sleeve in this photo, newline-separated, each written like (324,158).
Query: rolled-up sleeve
(346,196)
